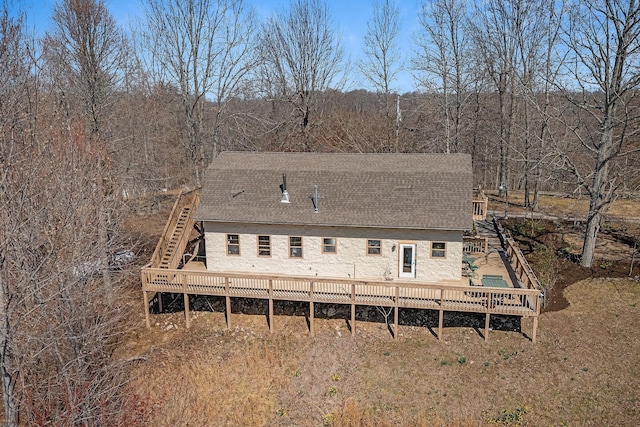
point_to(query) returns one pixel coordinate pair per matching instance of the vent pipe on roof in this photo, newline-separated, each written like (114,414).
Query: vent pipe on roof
(285,194)
(315,200)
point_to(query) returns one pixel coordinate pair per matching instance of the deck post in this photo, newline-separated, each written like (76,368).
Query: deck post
(159,301)
(487,317)
(534,333)
(353,320)
(186,309)
(147,318)
(395,316)
(395,322)
(311,308)
(185,295)
(487,320)
(441,315)
(353,309)
(270,306)
(227,302)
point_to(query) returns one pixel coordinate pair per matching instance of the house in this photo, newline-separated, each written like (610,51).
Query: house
(382,230)
(393,217)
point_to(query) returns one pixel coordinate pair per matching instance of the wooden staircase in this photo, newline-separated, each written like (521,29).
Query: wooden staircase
(183,223)
(177,231)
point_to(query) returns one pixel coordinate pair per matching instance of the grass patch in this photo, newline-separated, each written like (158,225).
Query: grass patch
(509,418)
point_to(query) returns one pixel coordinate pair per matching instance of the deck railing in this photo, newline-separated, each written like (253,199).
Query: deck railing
(474,245)
(480,202)
(184,199)
(192,200)
(519,263)
(441,297)
(521,266)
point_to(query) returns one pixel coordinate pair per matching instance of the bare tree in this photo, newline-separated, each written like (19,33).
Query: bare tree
(442,62)
(60,325)
(551,64)
(13,89)
(603,38)
(530,29)
(202,47)
(90,51)
(301,56)
(382,59)
(493,29)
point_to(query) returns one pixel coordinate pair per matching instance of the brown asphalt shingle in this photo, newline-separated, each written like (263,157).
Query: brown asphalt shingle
(424,191)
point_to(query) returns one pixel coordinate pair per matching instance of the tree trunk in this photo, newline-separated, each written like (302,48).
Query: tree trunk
(501,155)
(600,193)
(590,237)
(8,380)
(8,387)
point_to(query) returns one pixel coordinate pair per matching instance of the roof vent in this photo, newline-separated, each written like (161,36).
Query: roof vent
(285,194)
(315,200)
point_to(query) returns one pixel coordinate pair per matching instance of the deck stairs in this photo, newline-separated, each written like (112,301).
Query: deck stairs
(486,229)
(182,225)
(177,231)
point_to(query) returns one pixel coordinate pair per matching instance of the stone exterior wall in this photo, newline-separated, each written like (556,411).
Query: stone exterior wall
(351,260)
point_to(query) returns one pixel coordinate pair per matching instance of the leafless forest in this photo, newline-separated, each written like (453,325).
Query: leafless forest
(542,94)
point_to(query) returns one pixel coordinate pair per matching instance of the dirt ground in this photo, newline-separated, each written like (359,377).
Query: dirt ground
(563,239)
(582,371)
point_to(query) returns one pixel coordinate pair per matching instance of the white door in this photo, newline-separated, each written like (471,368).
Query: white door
(407,267)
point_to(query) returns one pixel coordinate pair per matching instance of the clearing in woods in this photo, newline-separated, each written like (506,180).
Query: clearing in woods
(582,371)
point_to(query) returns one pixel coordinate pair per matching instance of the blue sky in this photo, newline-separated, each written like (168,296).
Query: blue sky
(350,18)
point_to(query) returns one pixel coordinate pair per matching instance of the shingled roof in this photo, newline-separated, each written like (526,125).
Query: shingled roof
(420,191)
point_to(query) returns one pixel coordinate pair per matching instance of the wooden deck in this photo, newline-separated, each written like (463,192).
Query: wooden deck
(161,275)
(440,297)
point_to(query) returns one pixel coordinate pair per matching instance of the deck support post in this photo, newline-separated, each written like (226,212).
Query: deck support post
(227,302)
(147,318)
(186,309)
(441,314)
(353,310)
(487,320)
(185,296)
(535,329)
(395,322)
(311,310)
(270,306)
(487,317)
(353,320)
(395,314)
(228,310)
(159,301)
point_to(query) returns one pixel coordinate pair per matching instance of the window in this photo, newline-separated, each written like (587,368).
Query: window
(373,247)
(295,247)
(329,245)
(233,244)
(438,249)
(264,245)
